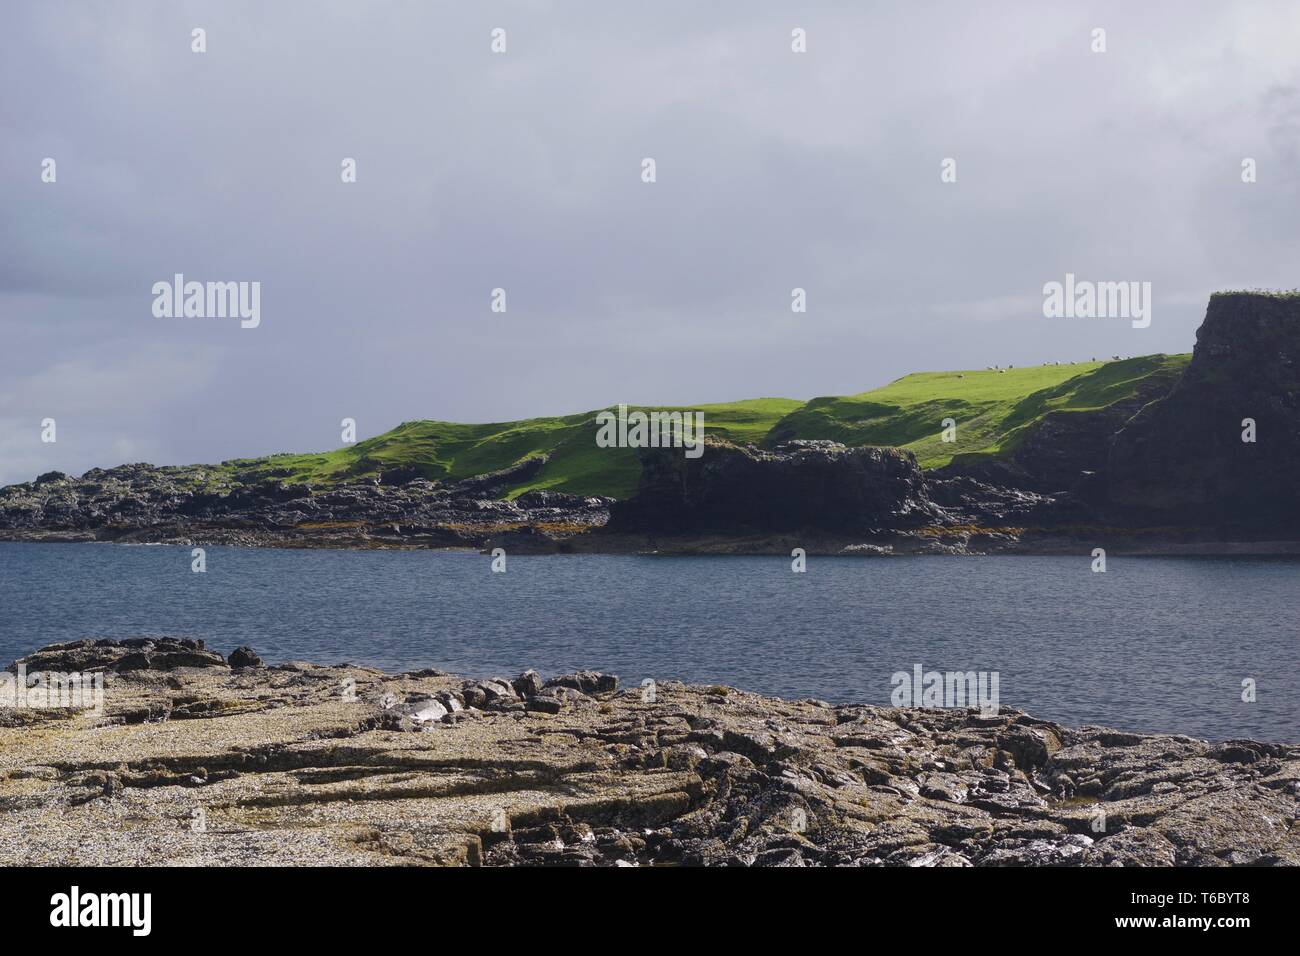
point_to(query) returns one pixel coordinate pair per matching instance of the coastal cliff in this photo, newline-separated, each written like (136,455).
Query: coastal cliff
(1165,466)
(199,759)
(1142,454)
(1182,459)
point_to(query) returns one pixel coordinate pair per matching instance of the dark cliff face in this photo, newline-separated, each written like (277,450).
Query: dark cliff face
(1066,445)
(818,485)
(1181,460)
(1059,455)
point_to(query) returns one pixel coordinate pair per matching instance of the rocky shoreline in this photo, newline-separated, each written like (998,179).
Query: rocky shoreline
(821,496)
(527,540)
(197,758)
(1201,464)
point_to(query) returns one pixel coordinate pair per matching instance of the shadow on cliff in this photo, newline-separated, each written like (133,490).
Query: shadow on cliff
(1168,454)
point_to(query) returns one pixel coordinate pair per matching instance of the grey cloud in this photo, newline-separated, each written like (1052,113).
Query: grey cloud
(476,171)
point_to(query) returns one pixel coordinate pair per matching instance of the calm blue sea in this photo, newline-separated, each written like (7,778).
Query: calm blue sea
(1154,644)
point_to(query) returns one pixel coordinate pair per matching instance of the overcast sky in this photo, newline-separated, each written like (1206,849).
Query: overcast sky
(522,170)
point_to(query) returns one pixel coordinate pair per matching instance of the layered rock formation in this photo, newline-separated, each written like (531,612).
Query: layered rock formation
(193,762)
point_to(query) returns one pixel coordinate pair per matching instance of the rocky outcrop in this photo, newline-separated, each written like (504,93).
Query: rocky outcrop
(1182,460)
(134,503)
(299,764)
(832,499)
(968,501)
(140,653)
(801,485)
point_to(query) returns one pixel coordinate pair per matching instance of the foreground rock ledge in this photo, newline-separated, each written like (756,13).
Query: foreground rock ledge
(196,762)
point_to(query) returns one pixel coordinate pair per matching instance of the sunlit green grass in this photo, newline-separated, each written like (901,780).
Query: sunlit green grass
(449,451)
(993,410)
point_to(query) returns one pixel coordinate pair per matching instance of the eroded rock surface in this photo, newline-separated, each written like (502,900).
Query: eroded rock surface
(301,764)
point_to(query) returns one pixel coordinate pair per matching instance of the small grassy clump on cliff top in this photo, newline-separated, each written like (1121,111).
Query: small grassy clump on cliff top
(1268,293)
(993,410)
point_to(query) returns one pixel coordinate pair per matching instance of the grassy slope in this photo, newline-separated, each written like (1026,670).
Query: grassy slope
(992,409)
(447,450)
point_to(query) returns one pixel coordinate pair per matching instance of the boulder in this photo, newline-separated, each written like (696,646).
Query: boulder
(586,682)
(244,656)
(528,684)
(544,704)
(427,711)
